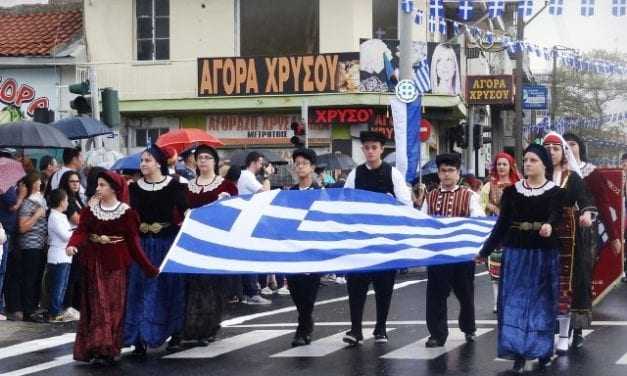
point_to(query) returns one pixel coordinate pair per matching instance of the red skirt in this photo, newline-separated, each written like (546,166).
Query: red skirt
(103,303)
(566,232)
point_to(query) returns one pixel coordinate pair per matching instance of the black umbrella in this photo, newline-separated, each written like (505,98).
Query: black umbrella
(76,128)
(238,158)
(335,161)
(30,134)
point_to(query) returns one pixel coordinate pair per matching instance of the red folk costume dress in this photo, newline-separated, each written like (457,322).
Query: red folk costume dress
(205,294)
(108,242)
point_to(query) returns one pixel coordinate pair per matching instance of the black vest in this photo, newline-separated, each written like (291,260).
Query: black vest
(377,180)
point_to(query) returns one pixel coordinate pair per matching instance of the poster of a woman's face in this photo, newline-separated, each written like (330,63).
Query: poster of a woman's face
(444,68)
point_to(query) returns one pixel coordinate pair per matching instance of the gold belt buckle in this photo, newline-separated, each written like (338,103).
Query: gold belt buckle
(155,228)
(526,226)
(105,239)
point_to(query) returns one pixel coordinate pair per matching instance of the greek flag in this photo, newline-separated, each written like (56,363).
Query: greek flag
(315,231)
(422,78)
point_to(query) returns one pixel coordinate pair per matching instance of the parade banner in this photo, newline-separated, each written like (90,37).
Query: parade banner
(609,198)
(317,231)
(261,75)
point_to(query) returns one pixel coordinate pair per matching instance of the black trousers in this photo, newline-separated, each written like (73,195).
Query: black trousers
(460,278)
(357,284)
(13,279)
(304,289)
(72,296)
(33,265)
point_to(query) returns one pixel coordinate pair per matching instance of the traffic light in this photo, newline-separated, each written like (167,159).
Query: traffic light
(298,139)
(110,107)
(82,103)
(477,136)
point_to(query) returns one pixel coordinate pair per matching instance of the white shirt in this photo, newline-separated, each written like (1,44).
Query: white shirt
(248,183)
(59,233)
(401,190)
(56,177)
(476,210)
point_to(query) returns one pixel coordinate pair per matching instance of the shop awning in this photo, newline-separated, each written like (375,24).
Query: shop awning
(287,102)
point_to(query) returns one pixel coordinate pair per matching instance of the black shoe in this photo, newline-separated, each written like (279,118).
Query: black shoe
(139,351)
(380,338)
(470,337)
(300,341)
(202,342)
(577,341)
(434,342)
(543,363)
(519,366)
(174,344)
(352,339)
(624,279)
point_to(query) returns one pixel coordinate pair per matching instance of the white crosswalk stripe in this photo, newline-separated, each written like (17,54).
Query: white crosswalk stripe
(37,345)
(227,345)
(417,350)
(321,347)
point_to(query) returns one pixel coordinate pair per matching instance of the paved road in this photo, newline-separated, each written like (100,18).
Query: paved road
(256,341)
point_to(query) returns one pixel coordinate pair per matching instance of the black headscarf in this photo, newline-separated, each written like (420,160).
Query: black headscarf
(583,153)
(544,156)
(160,157)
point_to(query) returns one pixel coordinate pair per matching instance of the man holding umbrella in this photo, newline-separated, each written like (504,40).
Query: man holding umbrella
(376,176)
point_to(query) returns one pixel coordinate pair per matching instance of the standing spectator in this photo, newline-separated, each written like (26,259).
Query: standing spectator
(47,167)
(623,163)
(32,228)
(3,239)
(189,172)
(247,184)
(72,161)
(71,184)
(10,302)
(59,263)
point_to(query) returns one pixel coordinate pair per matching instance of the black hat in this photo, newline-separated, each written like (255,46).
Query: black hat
(306,153)
(160,156)
(366,136)
(544,156)
(449,159)
(206,149)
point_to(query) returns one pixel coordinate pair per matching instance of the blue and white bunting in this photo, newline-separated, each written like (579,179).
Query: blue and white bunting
(456,28)
(436,8)
(556,7)
(318,231)
(496,8)
(442,26)
(419,19)
(465,10)
(407,6)
(587,8)
(619,8)
(432,24)
(407,118)
(525,8)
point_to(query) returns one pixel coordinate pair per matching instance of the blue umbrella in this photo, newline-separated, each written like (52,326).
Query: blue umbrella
(76,128)
(128,163)
(429,168)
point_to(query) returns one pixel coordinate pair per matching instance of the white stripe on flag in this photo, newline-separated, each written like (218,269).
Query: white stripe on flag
(367,208)
(332,226)
(225,238)
(348,262)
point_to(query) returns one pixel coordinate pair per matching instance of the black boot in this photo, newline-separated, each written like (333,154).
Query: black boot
(140,350)
(175,343)
(577,339)
(519,365)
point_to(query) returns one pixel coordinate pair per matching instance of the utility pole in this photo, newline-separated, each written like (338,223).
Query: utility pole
(405,23)
(518,84)
(554,87)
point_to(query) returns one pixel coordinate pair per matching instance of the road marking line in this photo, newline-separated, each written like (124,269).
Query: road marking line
(417,350)
(57,362)
(226,345)
(242,319)
(36,345)
(405,322)
(584,334)
(319,348)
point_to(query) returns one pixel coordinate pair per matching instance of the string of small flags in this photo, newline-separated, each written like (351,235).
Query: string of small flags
(437,23)
(564,124)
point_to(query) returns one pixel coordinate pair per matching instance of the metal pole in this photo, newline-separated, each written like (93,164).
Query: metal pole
(554,88)
(304,113)
(518,118)
(405,25)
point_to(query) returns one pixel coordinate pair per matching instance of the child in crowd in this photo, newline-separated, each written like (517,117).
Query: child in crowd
(58,268)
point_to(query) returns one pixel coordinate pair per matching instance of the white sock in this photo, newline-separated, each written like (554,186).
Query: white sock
(564,322)
(495,292)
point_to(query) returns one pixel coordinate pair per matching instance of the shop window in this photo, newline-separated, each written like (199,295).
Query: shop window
(144,137)
(153,29)
(384,19)
(279,27)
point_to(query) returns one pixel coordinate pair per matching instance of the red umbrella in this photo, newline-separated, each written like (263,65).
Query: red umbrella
(182,139)
(11,171)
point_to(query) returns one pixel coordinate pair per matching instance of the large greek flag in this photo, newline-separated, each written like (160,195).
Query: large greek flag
(329,230)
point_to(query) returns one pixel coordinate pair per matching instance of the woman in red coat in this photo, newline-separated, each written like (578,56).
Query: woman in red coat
(107,242)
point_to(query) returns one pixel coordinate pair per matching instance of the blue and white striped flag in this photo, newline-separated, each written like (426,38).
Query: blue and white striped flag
(422,76)
(315,231)
(465,10)
(587,8)
(556,7)
(420,15)
(407,121)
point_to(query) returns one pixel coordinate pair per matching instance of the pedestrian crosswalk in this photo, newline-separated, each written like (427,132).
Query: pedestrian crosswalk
(273,343)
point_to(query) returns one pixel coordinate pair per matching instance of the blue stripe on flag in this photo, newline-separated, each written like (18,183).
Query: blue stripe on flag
(414,117)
